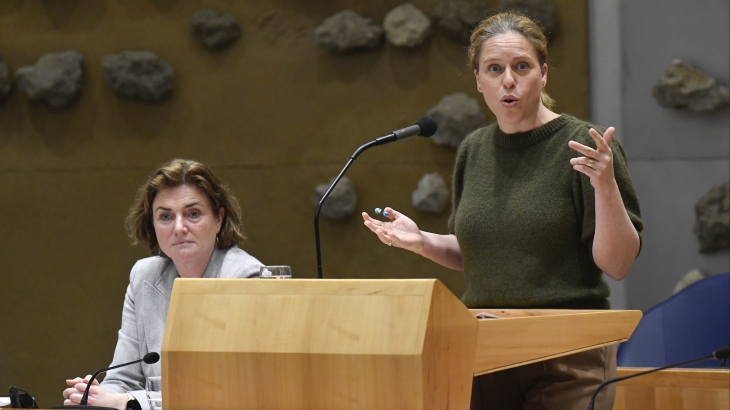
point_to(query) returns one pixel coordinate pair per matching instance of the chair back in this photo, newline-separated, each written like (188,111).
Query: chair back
(692,323)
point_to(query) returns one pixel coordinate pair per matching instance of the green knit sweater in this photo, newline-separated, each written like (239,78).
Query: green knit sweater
(525,219)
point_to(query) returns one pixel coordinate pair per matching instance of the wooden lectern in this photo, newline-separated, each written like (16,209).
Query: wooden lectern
(352,344)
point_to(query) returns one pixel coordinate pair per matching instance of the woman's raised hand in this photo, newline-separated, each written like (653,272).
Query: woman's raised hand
(399,230)
(597,163)
(97,395)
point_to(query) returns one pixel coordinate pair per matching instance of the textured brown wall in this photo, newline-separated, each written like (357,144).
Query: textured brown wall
(274,115)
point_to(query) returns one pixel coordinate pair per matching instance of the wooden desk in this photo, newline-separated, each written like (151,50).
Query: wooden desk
(674,389)
(511,341)
(309,344)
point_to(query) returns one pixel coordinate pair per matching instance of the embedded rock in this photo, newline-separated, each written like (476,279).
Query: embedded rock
(541,12)
(432,194)
(688,88)
(457,18)
(691,277)
(406,26)
(457,116)
(214,28)
(283,27)
(341,202)
(139,74)
(346,30)
(712,225)
(56,78)
(6,81)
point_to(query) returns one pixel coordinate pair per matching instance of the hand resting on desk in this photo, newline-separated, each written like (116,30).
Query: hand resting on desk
(97,395)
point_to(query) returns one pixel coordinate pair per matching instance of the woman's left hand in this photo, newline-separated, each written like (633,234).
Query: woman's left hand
(597,163)
(97,395)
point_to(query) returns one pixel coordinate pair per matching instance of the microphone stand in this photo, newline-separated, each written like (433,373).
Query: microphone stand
(719,354)
(378,141)
(149,359)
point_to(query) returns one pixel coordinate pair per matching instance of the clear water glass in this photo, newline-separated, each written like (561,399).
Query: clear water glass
(276,272)
(154,392)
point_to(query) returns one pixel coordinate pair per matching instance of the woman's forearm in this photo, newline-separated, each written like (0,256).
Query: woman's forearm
(442,249)
(616,242)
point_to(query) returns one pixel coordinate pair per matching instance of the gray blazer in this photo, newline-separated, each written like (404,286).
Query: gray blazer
(145,313)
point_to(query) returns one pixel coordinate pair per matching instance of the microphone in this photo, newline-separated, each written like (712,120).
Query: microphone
(719,354)
(149,358)
(722,353)
(425,126)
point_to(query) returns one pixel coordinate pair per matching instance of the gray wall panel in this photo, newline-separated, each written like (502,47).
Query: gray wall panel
(668,191)
(655,32)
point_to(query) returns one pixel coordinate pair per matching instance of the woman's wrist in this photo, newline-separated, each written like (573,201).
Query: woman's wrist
(420,248)
(120,400)
(607,190)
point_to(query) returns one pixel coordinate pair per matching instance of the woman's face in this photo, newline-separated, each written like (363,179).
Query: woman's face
(185,224)
(510,78)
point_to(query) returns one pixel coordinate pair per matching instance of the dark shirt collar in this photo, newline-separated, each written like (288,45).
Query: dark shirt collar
(527,139)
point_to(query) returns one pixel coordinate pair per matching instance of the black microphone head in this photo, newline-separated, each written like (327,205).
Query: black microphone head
(151,357)
(428,126)
(722,353)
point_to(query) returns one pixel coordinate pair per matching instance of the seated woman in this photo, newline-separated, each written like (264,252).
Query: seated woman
(543,204)
(185,216)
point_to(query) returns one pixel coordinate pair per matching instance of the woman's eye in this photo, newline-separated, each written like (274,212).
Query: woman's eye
(195,214)
(522,66)
(165,217)
(493,68)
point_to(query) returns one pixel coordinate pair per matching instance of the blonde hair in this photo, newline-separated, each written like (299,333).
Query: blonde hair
(174,173)
(510,22)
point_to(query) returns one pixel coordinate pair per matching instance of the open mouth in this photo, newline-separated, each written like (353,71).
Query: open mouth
(509,101)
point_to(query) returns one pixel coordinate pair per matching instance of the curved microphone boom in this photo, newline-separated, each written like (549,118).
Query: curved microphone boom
(149,358)
(720,354)
(425,126)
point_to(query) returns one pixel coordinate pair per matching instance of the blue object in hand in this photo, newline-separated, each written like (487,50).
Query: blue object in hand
(378,210)
(386,213)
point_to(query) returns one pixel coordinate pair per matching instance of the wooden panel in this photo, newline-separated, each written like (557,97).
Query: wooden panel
(314,344)
(699,378)
(523,336)
(675,389)
(506,313)
(413,287)
(448,352)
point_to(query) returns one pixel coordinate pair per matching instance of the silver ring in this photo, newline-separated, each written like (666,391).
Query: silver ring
(390,244)
(590,163)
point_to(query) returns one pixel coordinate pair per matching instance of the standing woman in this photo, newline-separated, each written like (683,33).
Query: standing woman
(192,223)
(543,204)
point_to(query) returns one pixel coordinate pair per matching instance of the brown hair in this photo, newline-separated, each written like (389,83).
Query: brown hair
(172,174)
(510,22)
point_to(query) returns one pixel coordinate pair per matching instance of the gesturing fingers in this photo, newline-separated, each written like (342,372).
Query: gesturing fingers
(366,217)
(583,149)
(581,163)
(390,213)
(603,143)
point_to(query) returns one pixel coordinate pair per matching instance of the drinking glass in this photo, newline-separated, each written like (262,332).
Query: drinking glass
(276,272)
(154,392)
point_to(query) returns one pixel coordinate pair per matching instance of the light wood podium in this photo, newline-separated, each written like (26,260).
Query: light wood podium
(352,344)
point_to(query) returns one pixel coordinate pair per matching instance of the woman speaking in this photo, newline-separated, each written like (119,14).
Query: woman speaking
(542,205)
(192,223)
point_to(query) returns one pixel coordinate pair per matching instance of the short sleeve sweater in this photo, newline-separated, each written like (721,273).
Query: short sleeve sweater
(525,219)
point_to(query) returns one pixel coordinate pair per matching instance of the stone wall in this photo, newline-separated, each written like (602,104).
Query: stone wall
(273,113)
